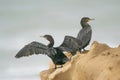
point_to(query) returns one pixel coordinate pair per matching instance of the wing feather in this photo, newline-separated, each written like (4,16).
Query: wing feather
(70,44)
(33,48)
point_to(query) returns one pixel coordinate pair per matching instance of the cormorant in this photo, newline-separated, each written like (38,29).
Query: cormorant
(56,54)
(85,33)
(73,44)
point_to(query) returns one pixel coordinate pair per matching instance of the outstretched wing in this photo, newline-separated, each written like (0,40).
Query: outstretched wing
(33,48)
(70,44)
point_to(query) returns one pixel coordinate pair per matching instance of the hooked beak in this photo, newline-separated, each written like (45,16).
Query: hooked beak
(92,19)
(42,36)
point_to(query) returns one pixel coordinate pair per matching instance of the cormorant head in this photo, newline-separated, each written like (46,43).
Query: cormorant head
(86,19)
(50,39)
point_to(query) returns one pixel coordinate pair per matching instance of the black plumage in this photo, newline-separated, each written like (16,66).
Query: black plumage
(85,33)
(70,44)
(56,54)
(83,38)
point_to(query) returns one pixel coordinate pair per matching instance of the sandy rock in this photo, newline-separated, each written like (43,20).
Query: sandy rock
(100,63)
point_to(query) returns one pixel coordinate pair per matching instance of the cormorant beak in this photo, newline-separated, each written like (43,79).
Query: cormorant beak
(43,37)
(92,19)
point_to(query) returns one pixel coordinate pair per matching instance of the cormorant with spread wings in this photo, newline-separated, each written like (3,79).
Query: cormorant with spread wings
(56,54)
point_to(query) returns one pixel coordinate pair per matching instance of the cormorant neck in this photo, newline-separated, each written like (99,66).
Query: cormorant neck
(84,24)
(51,42)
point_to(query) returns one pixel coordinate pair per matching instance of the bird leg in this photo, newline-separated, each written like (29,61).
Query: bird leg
(61,66)
(80,50)
(58,67)
(85,51)
(55,66)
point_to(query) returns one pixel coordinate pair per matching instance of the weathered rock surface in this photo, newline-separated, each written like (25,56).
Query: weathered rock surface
(100,63)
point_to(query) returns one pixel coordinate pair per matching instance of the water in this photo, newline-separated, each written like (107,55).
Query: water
(23,21)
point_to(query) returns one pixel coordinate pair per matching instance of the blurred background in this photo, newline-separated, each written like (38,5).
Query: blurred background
(23,21)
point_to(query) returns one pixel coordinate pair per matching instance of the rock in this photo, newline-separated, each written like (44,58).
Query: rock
(100,63)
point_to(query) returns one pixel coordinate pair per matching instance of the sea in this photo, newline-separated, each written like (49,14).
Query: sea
(24,21)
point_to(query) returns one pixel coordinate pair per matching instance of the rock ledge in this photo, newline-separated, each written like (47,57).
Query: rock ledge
(100,63)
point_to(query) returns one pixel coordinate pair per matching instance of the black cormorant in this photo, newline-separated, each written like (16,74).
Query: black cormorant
(85,33)
(73,44)
(56,54)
